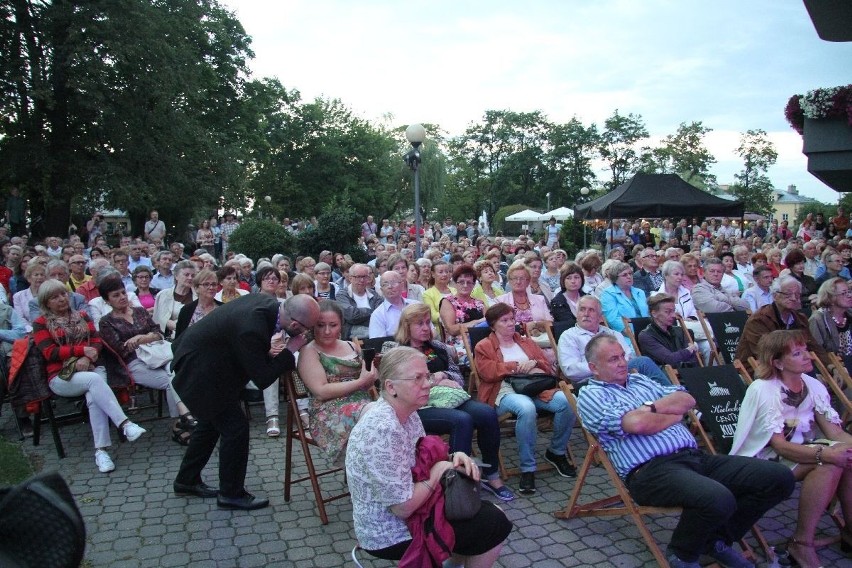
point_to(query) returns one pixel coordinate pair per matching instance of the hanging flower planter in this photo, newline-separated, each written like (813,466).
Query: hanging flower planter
(824,119)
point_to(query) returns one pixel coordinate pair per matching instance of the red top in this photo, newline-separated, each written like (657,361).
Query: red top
(55,354)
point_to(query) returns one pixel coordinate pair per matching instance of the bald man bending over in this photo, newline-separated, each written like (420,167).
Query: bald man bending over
(214,359)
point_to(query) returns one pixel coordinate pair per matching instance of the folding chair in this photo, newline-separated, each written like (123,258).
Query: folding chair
(619,505)
(632,328)
(829,379)
(295,430)
(689,338)
(723,330)
(719,392)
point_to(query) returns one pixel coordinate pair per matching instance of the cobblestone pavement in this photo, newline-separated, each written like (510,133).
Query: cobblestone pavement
(134,520)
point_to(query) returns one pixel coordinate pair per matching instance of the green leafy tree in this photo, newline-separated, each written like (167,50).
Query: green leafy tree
(257,238)
(617,146)
(683,153)
(752,185)
(123,103)
(568,162)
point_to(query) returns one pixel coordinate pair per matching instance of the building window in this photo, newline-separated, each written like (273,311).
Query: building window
(785,217)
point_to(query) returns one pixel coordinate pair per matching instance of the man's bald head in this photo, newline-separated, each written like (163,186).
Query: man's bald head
(301,310)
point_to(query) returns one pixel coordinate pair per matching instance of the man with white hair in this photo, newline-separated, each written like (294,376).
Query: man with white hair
(572,346)
(384,320)
(783,313)
(812,262)
(358,302)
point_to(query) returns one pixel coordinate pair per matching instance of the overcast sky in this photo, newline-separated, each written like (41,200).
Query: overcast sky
(731,64)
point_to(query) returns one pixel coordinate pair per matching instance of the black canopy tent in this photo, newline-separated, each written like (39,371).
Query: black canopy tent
(655,196)
(658,195)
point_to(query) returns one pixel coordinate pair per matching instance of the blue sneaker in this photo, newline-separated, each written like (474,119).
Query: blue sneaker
(676,562)
(502,493)
(727,556)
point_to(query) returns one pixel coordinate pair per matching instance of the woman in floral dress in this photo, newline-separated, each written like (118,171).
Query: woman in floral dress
(338,383)
(460,311)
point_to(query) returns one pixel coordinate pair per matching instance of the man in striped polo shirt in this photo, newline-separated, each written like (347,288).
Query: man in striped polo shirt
(639,424)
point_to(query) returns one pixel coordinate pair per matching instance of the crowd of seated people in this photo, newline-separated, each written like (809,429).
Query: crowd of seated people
(658,270)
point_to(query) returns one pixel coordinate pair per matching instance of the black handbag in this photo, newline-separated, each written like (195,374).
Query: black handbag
(42,505)
(532,385)
(461,496)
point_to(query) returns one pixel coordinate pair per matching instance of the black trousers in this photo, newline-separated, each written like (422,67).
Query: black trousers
(722,496)
(232,426)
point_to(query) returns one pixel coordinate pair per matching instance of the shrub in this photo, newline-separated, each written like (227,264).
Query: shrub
(258,238)
(337,230)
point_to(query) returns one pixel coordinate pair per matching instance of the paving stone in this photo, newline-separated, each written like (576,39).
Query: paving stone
(133,519)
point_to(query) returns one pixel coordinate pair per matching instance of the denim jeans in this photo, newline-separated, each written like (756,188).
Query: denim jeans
(646,366)
(460,423)
(526,428)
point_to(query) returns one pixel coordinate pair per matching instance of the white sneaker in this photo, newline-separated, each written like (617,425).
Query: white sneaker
(103,461)
(132,431)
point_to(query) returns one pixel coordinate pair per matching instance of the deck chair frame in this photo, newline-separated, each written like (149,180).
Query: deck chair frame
(619,505)
(296,431)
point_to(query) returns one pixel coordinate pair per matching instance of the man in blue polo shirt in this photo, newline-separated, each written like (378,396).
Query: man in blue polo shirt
(639,424)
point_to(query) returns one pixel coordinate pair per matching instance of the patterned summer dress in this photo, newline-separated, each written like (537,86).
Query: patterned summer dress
(466,310)
(332,420)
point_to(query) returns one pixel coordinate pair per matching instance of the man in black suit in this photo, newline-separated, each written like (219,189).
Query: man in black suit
(213,361)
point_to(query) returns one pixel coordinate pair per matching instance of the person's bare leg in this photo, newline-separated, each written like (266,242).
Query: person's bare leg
(818,488)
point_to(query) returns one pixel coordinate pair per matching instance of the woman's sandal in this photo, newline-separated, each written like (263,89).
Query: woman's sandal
(791,558)
(180,434)
(188,421)
(273,430)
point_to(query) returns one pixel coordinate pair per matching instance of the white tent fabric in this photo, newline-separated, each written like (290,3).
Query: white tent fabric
(525,215)
(560,214)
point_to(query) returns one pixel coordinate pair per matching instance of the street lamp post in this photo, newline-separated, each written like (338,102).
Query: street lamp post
(415,134)
(548,201)
(584,191)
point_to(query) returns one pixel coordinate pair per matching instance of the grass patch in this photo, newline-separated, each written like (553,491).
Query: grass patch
(14,465)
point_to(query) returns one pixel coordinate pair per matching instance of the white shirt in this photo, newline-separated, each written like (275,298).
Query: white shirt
(572,351)
(757,298)
(384,321)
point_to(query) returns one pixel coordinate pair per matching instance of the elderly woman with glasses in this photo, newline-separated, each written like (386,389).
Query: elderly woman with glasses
(395,487)
(460,311)
(526,306)
(147,295)
(831,324)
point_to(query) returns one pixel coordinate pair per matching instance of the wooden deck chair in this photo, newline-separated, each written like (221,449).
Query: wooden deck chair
(723,330)
(830,381)
(295,430)
(470,338)
(690,340)
(619,505)
(556,330)
(718,392)
(632,328)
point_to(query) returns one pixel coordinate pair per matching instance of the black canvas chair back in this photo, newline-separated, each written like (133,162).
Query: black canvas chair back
(727,330)
(375,343)
(477,334)
(718,393)
(560,327)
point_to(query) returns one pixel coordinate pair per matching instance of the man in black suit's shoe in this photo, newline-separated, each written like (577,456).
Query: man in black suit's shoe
(247,502)
(199,489)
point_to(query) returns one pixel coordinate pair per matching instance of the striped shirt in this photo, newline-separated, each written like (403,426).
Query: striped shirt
(602,406)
